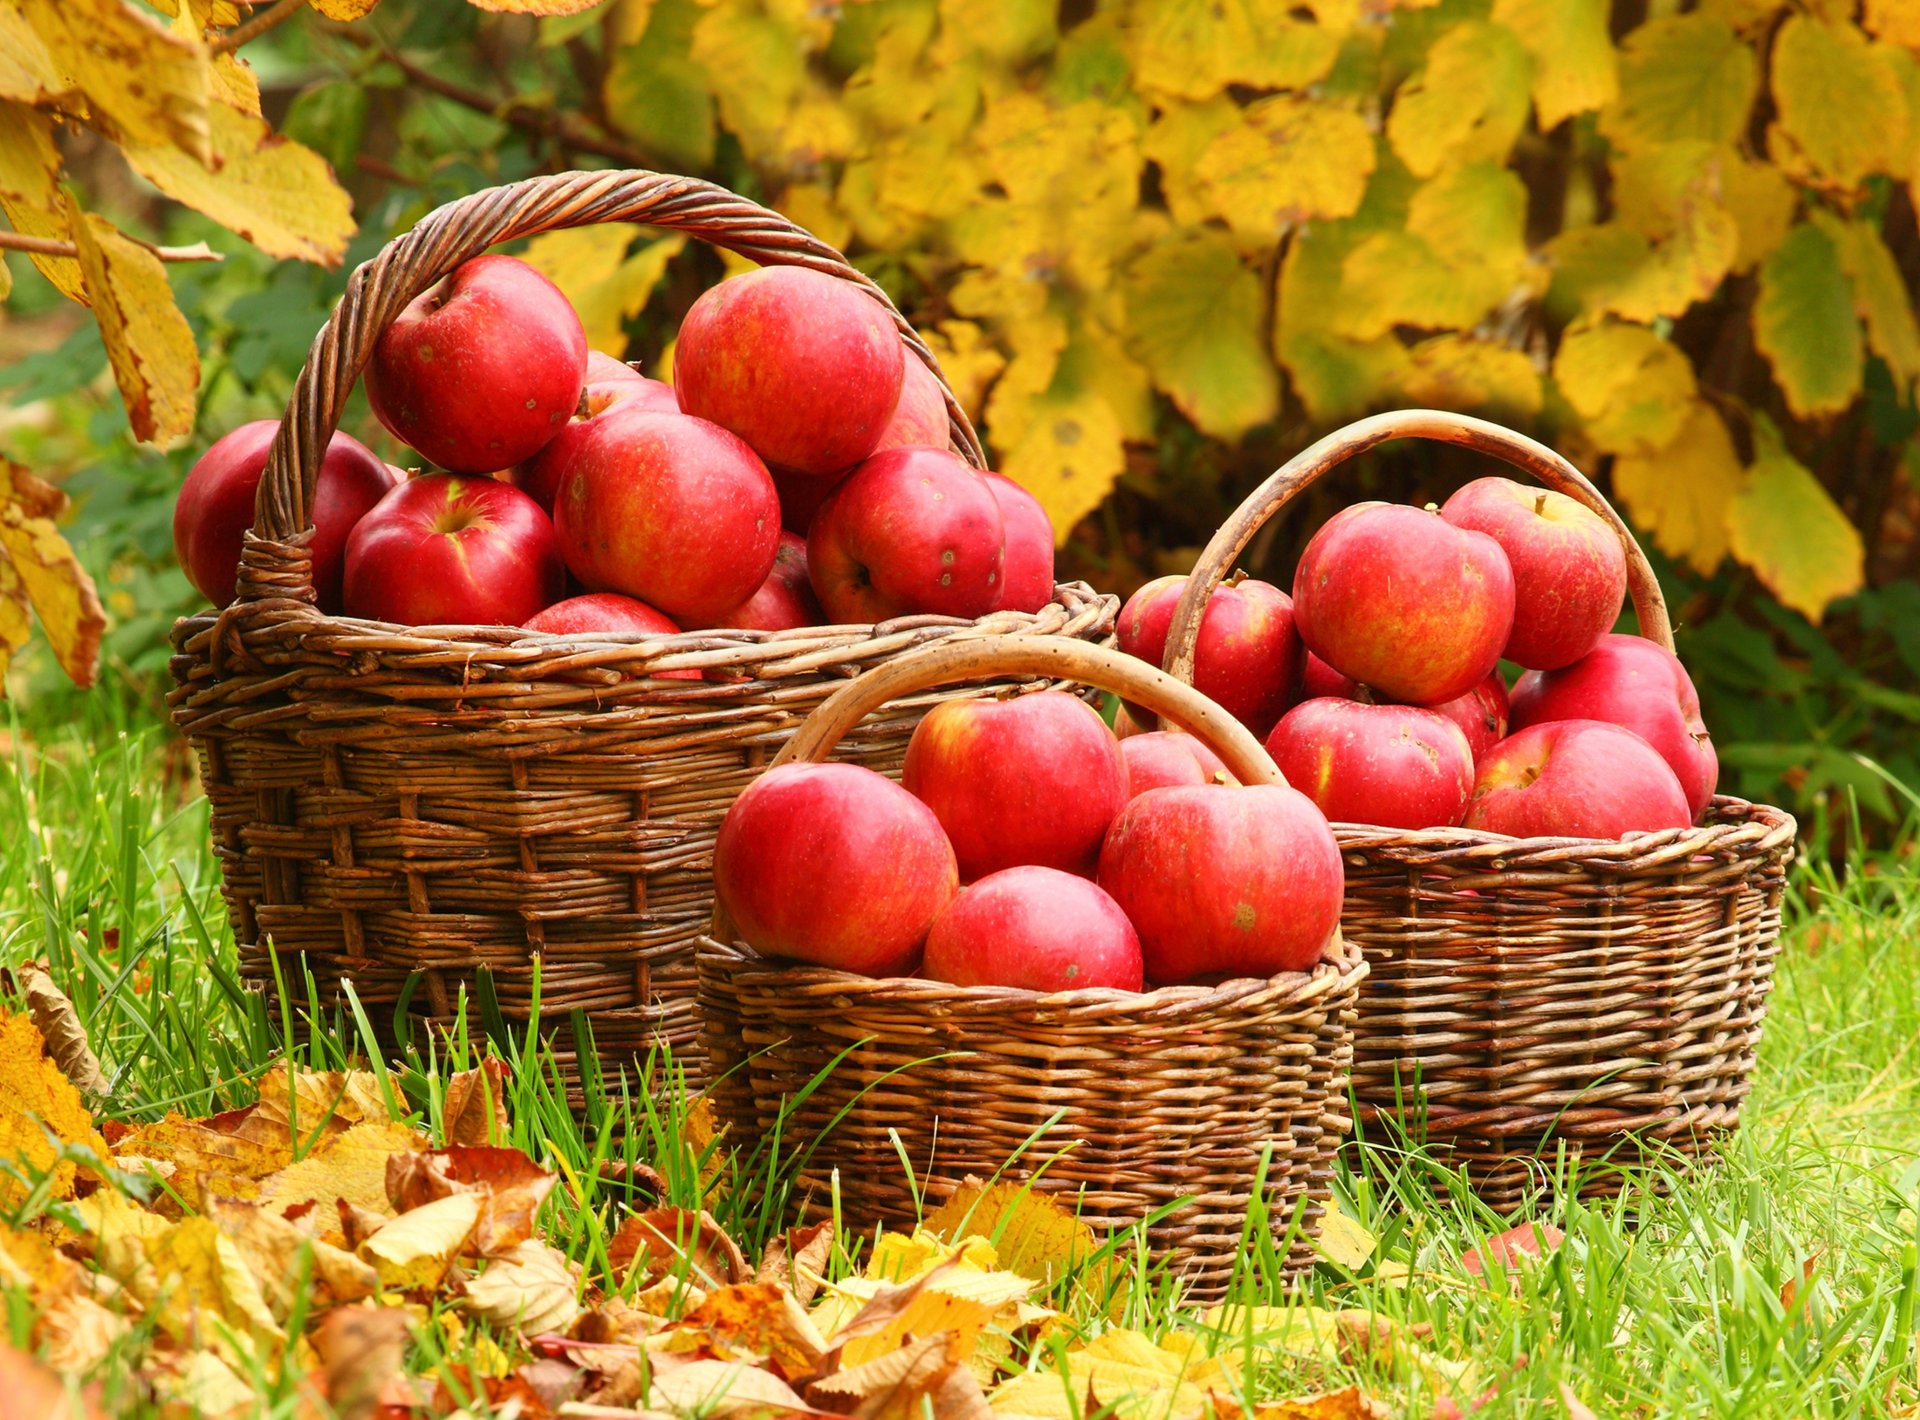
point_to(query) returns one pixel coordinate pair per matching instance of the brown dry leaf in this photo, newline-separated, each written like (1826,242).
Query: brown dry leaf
(38,570)
(361,1349)
(475,1108)
(509,1186)
(229,1151)
(952,1299)
(313,1103)
(30,187)
(1791,1290)
(660,1240)
(59,1026)
(1349,1404)
(41,1106)
(418,1248)
(351,1166)
(1576,1410)
(926,1376)
(75,1333)
(720,1388)
(149,342)
(797,1260)
(279,1252)
(31,1389)
(753,1321)
(150,83)
(1515,1248)
(200,1383)
(532,1287)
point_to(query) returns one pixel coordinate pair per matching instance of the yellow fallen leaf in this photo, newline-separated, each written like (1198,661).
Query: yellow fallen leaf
(927,1376)
(290,1261)
(902,1257)
(201,1383)
(119,1232)
(350,1167)
(198,1274)
(149,343)
(1342,1241)
(1031,1232)
(417,1248)
(1122,1369)
(749,1320)
(720,1388)
(74,1333)
(960,1301)
(38,570)
(533,1287)
(39,1107)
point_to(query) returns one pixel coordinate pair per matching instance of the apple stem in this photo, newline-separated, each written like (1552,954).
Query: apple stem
(1433,507)
(1239,575)
(1540,505)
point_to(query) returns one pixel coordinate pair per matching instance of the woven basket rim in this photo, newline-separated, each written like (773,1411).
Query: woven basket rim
(1734,824)
(1341,965)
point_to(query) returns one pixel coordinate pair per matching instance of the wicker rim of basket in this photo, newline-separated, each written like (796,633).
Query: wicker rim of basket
(1056,658)
(275,566)
(1341,966)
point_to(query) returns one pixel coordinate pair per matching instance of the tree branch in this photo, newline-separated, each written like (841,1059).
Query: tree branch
(539,122)
(51,246)
(229,40)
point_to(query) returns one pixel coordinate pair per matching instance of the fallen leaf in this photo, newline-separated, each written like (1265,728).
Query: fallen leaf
(754,1321)
(1351,1403)
(925,1376)
(361,1349)
(1514,1248)
(1342,1241)
(197,1281)
(531,1287)
(797,1260)
(1575,1409)
(319,1103)
(717,1388)
(199,1382)
(416,1249)
(350,1167)
(474,1110)
(75,1334)
(30,1388)
(293,1264)
(41,1109)
(1116,1364)
(1791,1289)
(508,1187)
(660,1240)
(59,1026)
(1031,1233)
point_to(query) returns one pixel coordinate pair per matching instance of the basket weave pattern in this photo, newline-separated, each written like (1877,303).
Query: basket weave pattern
(408,806)
(1122,1102)
(1535,996)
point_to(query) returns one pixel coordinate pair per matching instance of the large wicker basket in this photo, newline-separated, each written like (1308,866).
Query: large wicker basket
(1122,1103)
(1541,1003)
(431,811)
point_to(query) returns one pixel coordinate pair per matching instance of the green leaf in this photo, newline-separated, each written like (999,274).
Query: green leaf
(1682,493)
(656,93)
(1879,294)
(1469,101)
(1788,529)
(1684,76)
(1632,390)
(1574,69)
(1334,377)
(1194,309)
(1842,109)
(1804,323)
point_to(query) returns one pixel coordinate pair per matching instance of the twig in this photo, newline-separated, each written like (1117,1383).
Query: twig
(52,246)
(536,121)
(230,40)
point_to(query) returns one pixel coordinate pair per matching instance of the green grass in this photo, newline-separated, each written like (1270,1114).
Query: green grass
(1666,1301)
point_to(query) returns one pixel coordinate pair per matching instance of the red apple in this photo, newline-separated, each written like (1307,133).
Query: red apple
(1026,578)
(1037,929)
(1397,766)
(539,476)
(1632,682)
(215,508)
(481,371)
(599,612)
(921,415)
(602,367)
(1034,779)
(911,531)
(670,509)
(1159,758)
(805,367)
(785,600)
(1225,882)
(1319,681)
(1248,658)
(1481,713)
(1569,569)
(833,864)
(1575,779)
(801,497)
(444,550)
(1403,601)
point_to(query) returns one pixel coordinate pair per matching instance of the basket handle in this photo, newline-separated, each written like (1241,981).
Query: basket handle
(1054,657)
(1306,467)
(274,562)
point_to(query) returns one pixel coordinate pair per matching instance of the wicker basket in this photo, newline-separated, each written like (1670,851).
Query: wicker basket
(1123,1102)
(1536,1002)
(412,807)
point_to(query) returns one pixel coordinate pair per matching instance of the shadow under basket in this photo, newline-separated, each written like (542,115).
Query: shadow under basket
(1539,1007)
(428,813)
(1124,1105)
(1116,1103)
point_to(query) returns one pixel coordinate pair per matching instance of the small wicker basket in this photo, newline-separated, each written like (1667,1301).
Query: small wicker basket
(413,809)
(1123,1103)
(1536,1002)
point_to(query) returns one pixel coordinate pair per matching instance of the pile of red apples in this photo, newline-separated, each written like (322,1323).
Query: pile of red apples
(795,473)
(1029,847)
(1378,686)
